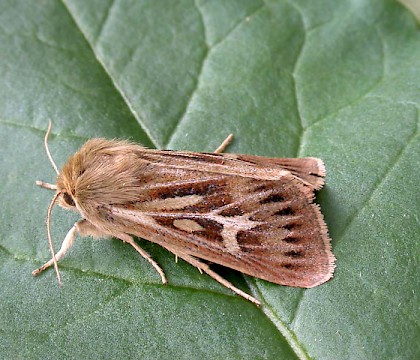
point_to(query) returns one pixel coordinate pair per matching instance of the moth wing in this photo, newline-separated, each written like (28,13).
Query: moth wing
(269,229)
(310,170)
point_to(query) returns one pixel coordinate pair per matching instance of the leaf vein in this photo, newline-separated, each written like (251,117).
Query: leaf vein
(282,327)
(105,22)
(383,178)
(238,24)
(362,96)
(298,103)
(111,77)
(197,82)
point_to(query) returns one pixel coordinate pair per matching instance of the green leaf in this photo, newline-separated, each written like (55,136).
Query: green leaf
(333,79)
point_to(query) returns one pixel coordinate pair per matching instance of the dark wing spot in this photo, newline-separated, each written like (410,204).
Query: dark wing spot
(290,226)
(272,198)
(289,266)
(209,203)
(200,188)
(232,211)
(248,240)
(212,229)
(167,222)
(178,192)
(263,187)
(291,239)
(294,254)
(284,212)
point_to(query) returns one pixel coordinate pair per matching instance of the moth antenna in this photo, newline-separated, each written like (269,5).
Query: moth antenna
(48,150)
(50,243)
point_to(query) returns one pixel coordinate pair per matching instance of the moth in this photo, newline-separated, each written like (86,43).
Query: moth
(249,213)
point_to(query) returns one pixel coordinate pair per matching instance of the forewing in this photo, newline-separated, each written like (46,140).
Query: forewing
(269,229)
(310,171)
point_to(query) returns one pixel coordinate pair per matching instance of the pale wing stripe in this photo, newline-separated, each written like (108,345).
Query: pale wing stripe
(168,184)
(175,203)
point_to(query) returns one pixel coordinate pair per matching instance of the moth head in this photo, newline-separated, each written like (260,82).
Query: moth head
(66,191)
(68,182)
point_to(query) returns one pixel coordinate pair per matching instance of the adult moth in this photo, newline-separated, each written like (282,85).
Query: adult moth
(249,213)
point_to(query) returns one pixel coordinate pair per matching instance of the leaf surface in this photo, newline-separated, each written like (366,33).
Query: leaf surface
(336,80)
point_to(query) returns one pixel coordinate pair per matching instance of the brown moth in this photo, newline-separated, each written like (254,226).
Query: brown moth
(249,213)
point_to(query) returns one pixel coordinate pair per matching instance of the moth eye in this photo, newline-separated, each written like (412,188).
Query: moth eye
(68,199)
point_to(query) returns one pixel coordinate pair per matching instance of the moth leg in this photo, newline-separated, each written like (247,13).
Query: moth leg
(129,240)
(224,144)
(46,185)
(67,243)
(204,267)
(85,228)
